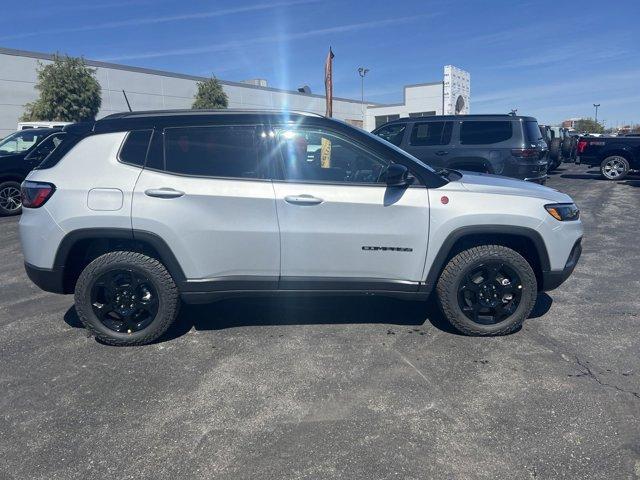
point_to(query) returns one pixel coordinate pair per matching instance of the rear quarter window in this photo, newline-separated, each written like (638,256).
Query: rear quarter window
(473,132)
(134,149)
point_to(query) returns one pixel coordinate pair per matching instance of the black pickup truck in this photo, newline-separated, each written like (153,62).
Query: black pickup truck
(616,156)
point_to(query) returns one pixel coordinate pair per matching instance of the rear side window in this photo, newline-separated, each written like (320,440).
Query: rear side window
(532,131)
(213,151)
(134,149)
(485,133)
(392,133)
(430,133)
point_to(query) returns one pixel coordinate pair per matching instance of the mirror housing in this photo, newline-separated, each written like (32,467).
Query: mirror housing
(398,176)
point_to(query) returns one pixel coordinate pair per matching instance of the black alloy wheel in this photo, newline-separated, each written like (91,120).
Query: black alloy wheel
(124,301)
(489,293)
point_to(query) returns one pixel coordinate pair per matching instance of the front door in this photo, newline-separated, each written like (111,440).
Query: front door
(341,227)
(207,194)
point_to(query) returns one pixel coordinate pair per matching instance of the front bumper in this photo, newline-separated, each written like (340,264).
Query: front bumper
(554,278)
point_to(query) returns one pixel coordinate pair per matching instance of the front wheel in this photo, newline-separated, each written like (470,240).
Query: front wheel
(487,290)
(126,298)
(614,167)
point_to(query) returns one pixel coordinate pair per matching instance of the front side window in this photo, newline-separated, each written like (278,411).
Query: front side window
(22,141)
(484,133)
(214,151)
(430,133)
(316,155)
(392,133)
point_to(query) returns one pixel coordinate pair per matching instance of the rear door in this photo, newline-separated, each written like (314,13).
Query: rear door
(431,142)
(341,227)
(206,192)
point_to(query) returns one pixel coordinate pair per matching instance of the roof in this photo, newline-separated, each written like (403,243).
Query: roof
(477,116)
(151,119)
(203,112)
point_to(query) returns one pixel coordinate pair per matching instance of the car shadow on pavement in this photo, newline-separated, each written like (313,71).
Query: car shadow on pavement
(265,311)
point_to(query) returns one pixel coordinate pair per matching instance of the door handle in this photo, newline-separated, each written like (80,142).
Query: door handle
(303,199)
(442,152)
(163,193)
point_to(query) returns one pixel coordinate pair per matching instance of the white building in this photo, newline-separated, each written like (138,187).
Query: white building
(154,89)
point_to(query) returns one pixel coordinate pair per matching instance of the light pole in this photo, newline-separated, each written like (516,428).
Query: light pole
(362,71)
(596,105)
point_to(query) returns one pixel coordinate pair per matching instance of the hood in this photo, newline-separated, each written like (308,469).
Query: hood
(485,183)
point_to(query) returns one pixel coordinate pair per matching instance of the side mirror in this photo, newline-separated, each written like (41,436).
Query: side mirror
(398,176)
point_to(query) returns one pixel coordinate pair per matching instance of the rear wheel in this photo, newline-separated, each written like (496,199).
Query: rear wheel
(126,298)
(10,200)
(614,167)
(487,290)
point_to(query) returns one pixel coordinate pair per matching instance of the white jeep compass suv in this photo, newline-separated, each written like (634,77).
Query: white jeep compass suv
(138,211)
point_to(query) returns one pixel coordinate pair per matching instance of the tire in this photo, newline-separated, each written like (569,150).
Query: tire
(454,294)
(126,277)
(614,167)
(567,145)
(555,153)
(10,202)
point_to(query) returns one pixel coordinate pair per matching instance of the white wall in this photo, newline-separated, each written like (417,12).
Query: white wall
(148,90)
(417,98)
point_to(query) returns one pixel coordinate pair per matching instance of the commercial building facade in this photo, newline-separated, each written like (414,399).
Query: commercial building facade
(154,90)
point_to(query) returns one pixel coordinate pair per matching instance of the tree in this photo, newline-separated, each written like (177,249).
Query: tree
(589,125)
(210,95)
(68,89)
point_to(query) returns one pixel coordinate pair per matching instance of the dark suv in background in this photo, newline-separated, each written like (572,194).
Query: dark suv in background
(506,145)
(20,153)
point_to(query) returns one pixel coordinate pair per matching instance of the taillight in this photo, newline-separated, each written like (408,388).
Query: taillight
(525,152)
(36,194)
(582,146)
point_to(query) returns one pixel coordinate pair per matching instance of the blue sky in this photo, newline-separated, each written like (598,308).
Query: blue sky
(550,59)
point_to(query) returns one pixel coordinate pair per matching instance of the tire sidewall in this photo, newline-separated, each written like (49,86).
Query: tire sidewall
(624,161)
(86,314)
(527,300)
(8,213)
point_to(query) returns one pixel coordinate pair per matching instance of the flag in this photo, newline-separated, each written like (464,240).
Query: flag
(328,82)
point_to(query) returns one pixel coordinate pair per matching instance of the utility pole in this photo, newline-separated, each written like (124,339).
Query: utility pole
(362,71)
(596,105)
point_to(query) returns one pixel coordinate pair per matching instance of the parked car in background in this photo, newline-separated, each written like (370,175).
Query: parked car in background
(20,152)
(506,145)
(147,208)
(616,156)
(555,147)
(553,157)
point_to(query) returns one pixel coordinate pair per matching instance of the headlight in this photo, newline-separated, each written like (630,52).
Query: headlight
(563,212)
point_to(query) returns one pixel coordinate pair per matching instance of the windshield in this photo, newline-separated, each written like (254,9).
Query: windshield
(22,141)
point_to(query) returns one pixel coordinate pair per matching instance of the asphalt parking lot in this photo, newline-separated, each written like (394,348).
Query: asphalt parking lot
(337,388)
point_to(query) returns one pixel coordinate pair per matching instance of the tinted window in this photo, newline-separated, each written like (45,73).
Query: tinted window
(382,119)
(484,133)
(392,133)
(422,114)
(431,133)
(23,141)
(310,154)
(532,131)
(134,150)
(47,146)
(216,151)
